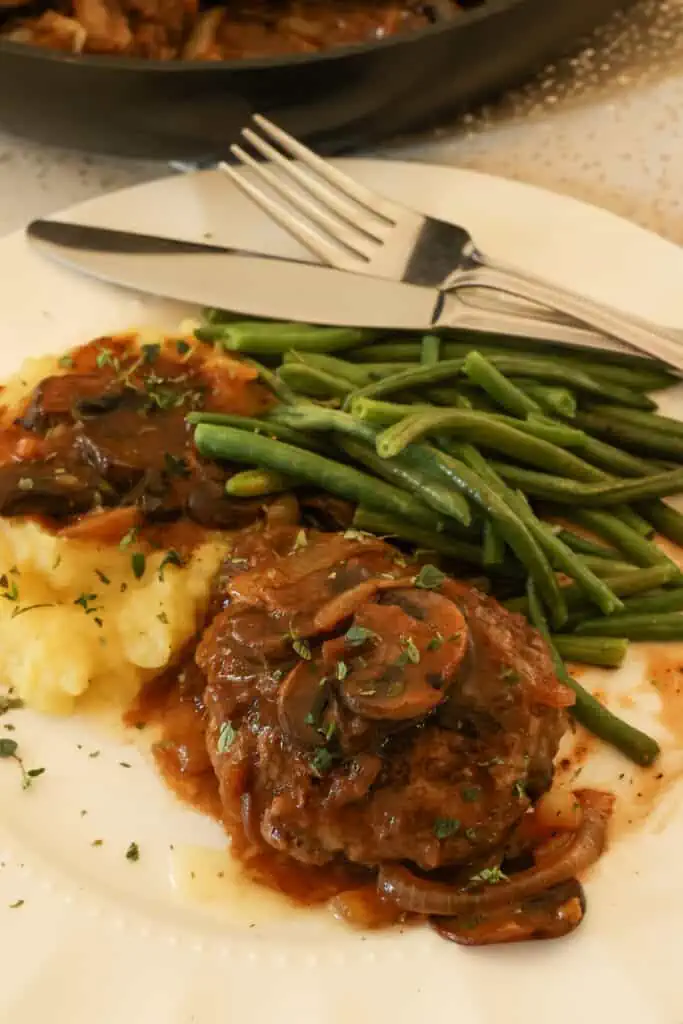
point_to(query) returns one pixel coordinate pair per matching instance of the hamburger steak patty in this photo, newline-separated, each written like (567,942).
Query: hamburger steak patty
(358,710)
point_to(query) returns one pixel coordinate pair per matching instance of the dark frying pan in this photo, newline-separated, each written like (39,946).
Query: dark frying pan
(339,99)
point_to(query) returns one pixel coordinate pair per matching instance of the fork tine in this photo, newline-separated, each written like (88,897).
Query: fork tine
(345,209)
(330,253)
(366,197)
(349,238)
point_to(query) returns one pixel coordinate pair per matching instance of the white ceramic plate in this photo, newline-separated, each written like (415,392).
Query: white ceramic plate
(99,938)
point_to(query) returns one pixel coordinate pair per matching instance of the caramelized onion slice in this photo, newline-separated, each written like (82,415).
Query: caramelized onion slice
(424,897)
(550,915)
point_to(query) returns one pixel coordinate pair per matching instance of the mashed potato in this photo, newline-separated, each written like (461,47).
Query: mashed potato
(73,617)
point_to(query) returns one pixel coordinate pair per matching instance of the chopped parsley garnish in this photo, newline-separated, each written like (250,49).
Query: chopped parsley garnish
(435,643)
(182,348)
(163,617)
(105,357)
(16,904)
(357,635)
(138,563)
(341,671)
(94,753)
(150,352)
(490,875)
(226,737)
(322,760)
(8,703)
(395,688)
(30,608)
(133,852)
(66,362)
(519,789)
(9,748)
(429,578)
(170,558)
(509,674)
(470,794)
(128,538)
(86,601)
(97,842)
(11,589)
(101,576)
(302,649)
(471,835)
(175,465)
(444,828)
(411,650)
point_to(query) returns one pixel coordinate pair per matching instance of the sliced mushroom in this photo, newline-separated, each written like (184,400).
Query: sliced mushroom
(301,702)
(413,650)
(49,489)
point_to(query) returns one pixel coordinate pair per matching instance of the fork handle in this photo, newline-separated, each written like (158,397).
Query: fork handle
(638,333)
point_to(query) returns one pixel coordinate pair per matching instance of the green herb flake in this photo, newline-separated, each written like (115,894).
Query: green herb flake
(66,362)
(470,794)
(8,747)
(97,842)
(435,643)
(8,703)
(16,904)
(429,578)
(492,876)
(163,618)
(301,541)
(182,348)
(519,789)
(138,563)
(330,730)
(322,761)
(302,649)
(471,835)
(94,753)
(129,537)
(35,773)
(509,675)
(226,737)
(133,852)
(11,588)
(102,578)
(105,357)
(170,558)
(86,602)
(411,650)
(358,635)
(341,671)
(444,828)
(150,352)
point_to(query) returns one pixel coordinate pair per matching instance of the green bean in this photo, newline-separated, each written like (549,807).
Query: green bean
(213,315)
(495,344)
(272,381)
(656,601)
(636,581)
(228,443)
(561,557)
(489,432)
(666,520)
(645,627)
(638,380)
(430,350)
(379,414)
(605,567)
(606,652)
(590,495)
(274,338)
(430,540)
(646,420)
(253,483)
(265,427)
(594,716)
(460,397)
(554,401)
(356,375)
(418,469)
(503,392)
(612,459)
(583,546)
(637,438)
(309,380)
(492,545)
(513,530)
(607,526)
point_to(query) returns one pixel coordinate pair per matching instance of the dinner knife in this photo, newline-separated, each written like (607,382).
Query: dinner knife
(273,287)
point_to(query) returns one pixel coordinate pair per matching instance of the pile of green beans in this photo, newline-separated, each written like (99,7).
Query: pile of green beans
(542,466)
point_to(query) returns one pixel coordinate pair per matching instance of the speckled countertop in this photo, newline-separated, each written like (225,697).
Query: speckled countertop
(605,126)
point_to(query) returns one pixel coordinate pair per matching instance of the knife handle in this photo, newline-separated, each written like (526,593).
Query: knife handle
(658,342)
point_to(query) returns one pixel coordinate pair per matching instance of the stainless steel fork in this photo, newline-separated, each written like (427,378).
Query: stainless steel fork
(350,227)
